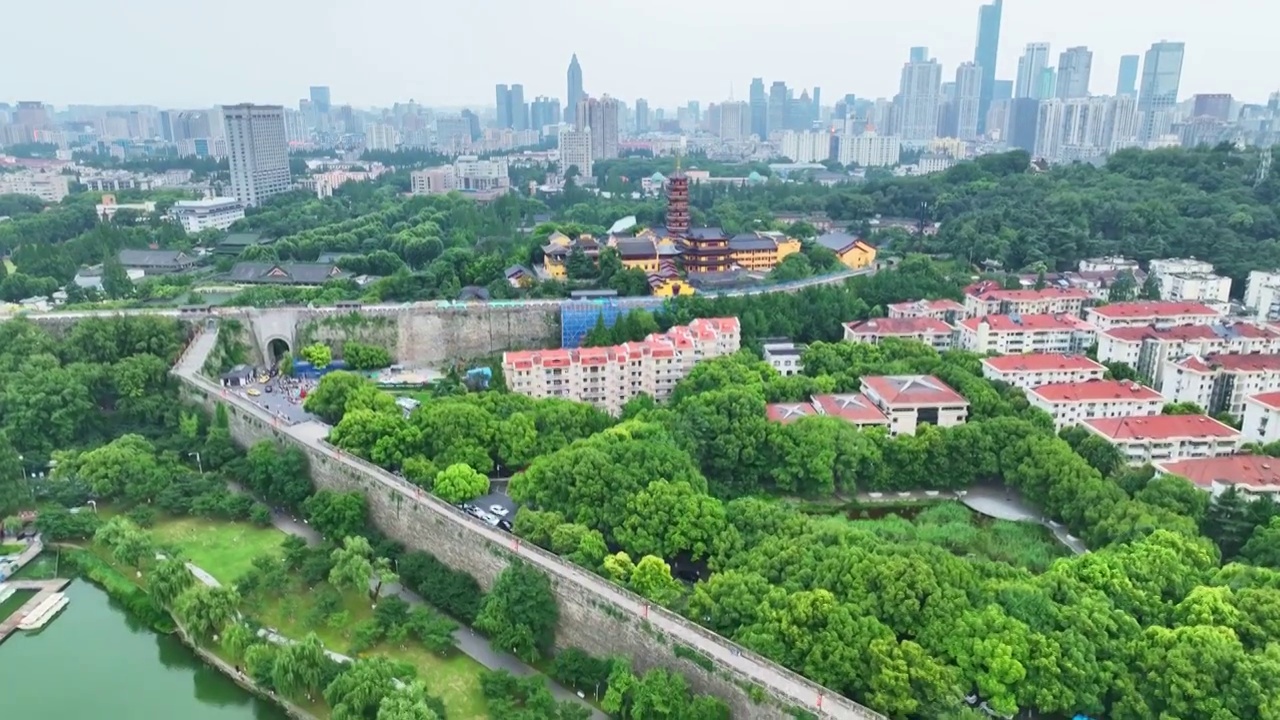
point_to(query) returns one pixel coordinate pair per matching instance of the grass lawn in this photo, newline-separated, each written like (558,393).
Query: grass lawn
(223,549)
(11,549)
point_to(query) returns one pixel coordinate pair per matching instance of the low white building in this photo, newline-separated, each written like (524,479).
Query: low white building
(1033,370)
(784,357)
(49,187)
(1071,403)
(1017,334)
(913,400)
(1163,438)
(1262,295)
(988,298)
(1152,312)
(947,311)
(1262,418)
(1149,349)
(1220,383)
(1210,289)
(1108,264)
(208,214)
(929,331)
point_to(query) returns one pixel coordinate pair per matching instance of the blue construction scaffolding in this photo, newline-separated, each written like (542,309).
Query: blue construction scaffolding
(577,318)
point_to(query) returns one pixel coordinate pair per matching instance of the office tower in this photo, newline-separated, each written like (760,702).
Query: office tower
(600,115)
(642,116)
(544,111)
(473,125)
(1003,90)
(919,54)
(759,109)
(918,99)
(695,112)
(320,98)
(984,55)
(1158,94)
(1127,83)
(968,101)
(1048,85)
(518,109)
(1031,71)
(816,113)
(1074,67)
(575,86)
(1216,106)
(730,122)
(844,107)
(258,150)
(453,132)
(1023,118)
(801,109)
(778,107)
(502,100)
(575,150)
(166,125)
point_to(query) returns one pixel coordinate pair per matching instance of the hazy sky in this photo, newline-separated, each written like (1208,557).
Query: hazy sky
(178,53)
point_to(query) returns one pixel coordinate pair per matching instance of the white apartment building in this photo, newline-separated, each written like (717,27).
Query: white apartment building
(115,181)
(1165,438)
(1220,383)
(381,136)
(1029,371)
(207,214)
(784,357)
(432,181)
(988,298)
(1017,334)
(49,187)
(1109,264)
(947,311)
(258,152)
(575,150)
(472,173)
(929,331)
(1253,476)
(1262,294)
(608,377)
(1173,266)
(1262,419)
(806,146)
(1162,313)
(869,150)
(913,400)
(1149,349)
(1072,403)
(1190,280)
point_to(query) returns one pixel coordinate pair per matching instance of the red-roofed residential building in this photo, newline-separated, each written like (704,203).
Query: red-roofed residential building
(1070,403)
(1220,383)
(1032,370)
(912,400)
(855,409)
(1152,312)
(1162,438)
(1017,334)
(1262,418)
(929,331)
(947,311)
(608,377)
(987,298)
(1148,349)
(787,413)
(1251,475)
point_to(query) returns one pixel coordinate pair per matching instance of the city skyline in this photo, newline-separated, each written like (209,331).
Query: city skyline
(1219,52)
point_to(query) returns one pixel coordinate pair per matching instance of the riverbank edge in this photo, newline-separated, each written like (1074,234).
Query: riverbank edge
(77,555)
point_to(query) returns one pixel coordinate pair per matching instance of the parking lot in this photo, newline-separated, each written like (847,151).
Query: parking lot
(282,397)
(495,507)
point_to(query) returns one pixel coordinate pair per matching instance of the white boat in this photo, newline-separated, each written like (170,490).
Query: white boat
(44,612)
(6,592)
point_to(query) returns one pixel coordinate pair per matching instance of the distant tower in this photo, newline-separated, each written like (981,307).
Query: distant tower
(575,86)
(678,200)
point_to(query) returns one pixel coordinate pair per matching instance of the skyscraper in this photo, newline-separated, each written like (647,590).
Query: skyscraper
(1031,71)
(1158,95)
(779,102)
(968,101)
(1216,106)
(984,55)
(1074,67)
(600,115)
(817,104)
(258,150)
(166,125)
(519,110)
(919,54)
(642,116)
(1127,83)
(759,109)
(544,111)
(575,86)
(502,99)
(730,122)
(919,97)
(320,98)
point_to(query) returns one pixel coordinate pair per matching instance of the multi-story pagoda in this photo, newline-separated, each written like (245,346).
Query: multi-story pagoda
(706,250)
(678,203)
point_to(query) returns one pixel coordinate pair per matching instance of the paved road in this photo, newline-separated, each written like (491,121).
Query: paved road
(781,682)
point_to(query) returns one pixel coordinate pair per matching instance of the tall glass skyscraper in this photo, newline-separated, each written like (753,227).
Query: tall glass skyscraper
(1127,84)
(575,87)
(984,55)
(1161,76)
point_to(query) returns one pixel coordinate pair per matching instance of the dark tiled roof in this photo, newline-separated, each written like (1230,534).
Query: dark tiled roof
(749,241)
(706,233)
(154,258)
(638,248)
(285,273)
(517,271)
(837,241)
(473,292)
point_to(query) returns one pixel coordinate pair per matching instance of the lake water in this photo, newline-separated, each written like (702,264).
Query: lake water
(95,662)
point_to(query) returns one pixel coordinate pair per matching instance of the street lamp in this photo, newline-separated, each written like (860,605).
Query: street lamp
(199,464)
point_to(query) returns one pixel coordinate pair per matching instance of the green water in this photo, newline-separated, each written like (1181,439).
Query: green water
(95,662)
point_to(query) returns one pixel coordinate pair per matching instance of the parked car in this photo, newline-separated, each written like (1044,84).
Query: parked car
(499,510)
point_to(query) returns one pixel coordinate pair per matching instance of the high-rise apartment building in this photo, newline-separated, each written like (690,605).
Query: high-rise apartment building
(575,150)
(919,97)
(1158,94)
(1216,106)
(642,116)
(295,126)
(1031,68)
(544,111)
(1122,123)
(513,113)
(1048,129)
(759,109)
(380,136)
(869,150)
(968,101)
(985,55)
(258,151)
(805,146)
(1127,82)
(601,116)
(453,132)
(1074,67)
(779,107)
(734,116)
(918,54)
(575,93)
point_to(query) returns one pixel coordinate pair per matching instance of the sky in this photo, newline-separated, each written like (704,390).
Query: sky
(183,54)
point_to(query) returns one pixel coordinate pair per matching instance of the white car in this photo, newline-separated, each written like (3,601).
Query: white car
(499,510)
(491,519)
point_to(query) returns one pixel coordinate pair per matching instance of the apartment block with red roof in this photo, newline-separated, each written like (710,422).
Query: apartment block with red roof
(1033,370)
(1016,334)
(947,311)
(608,377)
(1165,438)
(929,331)
(1253,476)
(1152,312)
(1148,349)
(1220,383)
(854,408)
(913,400)
(1261,418)
(1072,403)
(988,298)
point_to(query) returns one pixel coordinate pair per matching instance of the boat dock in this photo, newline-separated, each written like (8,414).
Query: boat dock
(45,599)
